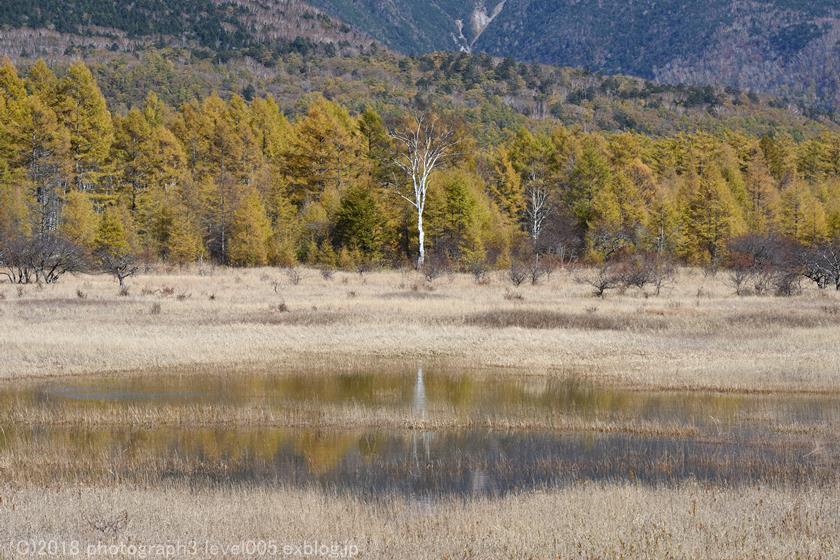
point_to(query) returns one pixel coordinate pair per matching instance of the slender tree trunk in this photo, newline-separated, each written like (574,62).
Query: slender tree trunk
(421,238)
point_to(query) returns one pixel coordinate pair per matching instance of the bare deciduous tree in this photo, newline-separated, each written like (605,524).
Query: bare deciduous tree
(425,145)
(761,263)
(821,264)
(42,258)
(118,265)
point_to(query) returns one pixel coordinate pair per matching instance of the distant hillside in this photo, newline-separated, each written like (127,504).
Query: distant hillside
(784,47)
(222,29)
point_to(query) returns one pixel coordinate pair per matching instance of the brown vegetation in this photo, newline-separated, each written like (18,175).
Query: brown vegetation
(629,521)
(697,334)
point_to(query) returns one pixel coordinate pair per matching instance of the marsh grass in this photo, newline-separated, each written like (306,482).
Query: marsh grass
(697,335)
(630,521)
(542,319)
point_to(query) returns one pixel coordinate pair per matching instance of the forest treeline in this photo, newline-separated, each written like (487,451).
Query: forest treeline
(238,183)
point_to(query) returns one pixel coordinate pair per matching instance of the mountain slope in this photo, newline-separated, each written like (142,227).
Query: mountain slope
(784,47)
(787,48)
(221,28)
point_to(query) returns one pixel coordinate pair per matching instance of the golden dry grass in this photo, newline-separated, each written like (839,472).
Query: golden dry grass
(589,521)
(696,335)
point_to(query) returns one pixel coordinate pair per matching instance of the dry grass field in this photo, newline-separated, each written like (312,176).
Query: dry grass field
(696,336)
(590,521)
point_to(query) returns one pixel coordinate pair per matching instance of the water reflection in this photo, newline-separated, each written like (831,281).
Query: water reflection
(374,462)
(419,410)
(737,437)
(423,393)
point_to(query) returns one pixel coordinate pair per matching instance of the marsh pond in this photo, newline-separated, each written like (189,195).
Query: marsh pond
(416,432)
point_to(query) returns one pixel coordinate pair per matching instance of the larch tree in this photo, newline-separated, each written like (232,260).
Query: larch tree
(112,236)
(763,201)
(79,221)
(183,243)
(84,112)
(250,232)
(454,222)
(802,215)
(506,186)
(325,153)
(425,144)
(360,223)
(45,157)
(42,81)
(710,217)
(14,212)
(591,174)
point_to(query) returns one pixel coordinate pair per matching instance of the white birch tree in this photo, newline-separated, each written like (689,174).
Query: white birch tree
(536,208)
(424,145)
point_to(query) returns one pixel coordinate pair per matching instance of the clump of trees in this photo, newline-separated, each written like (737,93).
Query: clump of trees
(762,264)
(248,183)
(40,259)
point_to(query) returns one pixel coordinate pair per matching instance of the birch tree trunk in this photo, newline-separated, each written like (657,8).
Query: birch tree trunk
(425,146)
(421,240)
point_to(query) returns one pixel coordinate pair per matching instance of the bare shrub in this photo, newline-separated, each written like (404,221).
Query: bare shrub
(435,266)
(479,270)
(155,310)
(751,263)
(518,272)
(513,295)
(821,264)
(327,273)
(80,294)
(538,270)
(113,526)
(643,270)
(293,275)
(120,266)
(41,259)
(602,279)
(787,283)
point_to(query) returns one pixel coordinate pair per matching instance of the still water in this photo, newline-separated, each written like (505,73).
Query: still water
(645,437)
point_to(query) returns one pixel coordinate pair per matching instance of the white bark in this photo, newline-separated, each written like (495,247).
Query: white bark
(425,146)
(536,209)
